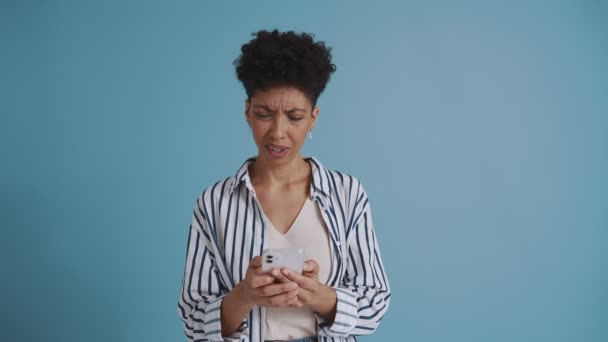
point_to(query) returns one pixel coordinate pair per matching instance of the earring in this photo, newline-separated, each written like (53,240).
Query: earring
(310,134)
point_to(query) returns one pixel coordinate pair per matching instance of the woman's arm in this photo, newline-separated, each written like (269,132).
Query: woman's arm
(233,311)
(363,297)
(207,311)
(201,296)
(359,303)
(325,302)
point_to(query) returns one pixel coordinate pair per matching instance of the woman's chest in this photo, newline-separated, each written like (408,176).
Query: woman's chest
(241,228)
(281,208)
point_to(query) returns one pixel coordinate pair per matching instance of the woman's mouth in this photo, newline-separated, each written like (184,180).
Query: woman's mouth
(277,151)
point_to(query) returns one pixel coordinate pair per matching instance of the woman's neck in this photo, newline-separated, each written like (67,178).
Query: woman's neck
(266,174)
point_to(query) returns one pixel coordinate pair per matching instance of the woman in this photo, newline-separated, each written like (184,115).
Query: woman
(281,200)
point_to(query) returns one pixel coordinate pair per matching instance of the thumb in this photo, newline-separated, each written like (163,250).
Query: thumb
(311,266)
(256,262)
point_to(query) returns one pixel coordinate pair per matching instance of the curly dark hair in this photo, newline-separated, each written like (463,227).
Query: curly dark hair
(276,58)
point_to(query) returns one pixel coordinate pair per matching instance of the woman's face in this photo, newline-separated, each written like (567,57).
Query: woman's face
(280,118)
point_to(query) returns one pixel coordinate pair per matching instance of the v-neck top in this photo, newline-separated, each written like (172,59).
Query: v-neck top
(309,233)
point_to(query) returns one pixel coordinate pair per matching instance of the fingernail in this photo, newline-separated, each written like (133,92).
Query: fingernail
(286,272)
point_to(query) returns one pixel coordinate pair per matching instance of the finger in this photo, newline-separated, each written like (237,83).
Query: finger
(255,265)
(259,281)
(276,273)
(275,289)
(293,301)
(311,266)
(286,299)
(304,296)
(301,280)
(297,303)
(311,275)
(256,262)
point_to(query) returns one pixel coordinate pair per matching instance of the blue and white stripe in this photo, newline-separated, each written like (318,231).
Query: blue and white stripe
(228,230)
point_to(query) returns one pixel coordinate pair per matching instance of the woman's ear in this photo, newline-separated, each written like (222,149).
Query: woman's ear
(247,103)
(315,114)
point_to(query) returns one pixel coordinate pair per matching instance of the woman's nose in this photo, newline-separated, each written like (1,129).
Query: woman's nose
(277,129)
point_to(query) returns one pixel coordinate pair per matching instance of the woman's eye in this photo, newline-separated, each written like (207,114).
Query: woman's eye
(262,116)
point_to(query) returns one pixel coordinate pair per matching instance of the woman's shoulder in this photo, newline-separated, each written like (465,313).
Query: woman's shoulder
(340,183)
(347,194)
(219,189)
(215,192)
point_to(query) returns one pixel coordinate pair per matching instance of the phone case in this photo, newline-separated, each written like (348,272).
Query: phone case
(281,258)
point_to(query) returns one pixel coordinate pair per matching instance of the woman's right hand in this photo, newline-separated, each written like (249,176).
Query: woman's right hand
(261,289)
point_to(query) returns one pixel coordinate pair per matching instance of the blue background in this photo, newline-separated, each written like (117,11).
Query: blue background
(480,131)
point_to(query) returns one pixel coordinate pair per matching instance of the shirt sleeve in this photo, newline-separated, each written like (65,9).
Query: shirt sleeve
(364,294)
(201,295)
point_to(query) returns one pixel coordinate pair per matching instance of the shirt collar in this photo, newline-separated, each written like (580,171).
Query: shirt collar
(320,178)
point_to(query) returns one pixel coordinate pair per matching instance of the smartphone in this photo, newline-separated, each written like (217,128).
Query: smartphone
(283,258)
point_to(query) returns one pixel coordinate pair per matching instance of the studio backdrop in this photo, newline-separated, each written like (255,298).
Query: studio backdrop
(479,130)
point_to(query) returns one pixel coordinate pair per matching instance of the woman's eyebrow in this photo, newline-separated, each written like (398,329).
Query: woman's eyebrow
(265,107)
(295,110)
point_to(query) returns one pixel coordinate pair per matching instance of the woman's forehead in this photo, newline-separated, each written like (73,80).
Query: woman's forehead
(285,98)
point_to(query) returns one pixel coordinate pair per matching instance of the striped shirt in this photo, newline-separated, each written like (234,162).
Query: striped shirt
(228,230)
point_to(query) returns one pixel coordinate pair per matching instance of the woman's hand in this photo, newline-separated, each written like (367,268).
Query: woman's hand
(319,297)
(256,289)
(261,289)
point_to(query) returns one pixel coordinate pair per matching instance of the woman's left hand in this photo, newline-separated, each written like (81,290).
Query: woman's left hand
(319,297)
(308,281)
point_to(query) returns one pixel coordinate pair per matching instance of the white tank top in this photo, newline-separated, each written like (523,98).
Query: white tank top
(309,233)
